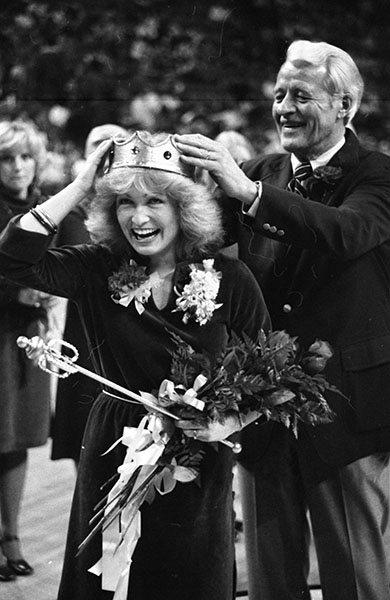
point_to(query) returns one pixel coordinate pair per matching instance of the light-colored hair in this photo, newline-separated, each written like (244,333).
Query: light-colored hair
(17,135)
(199,216)
(343,76)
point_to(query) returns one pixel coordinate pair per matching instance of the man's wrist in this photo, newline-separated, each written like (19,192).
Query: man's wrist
(250,209)
(251,194)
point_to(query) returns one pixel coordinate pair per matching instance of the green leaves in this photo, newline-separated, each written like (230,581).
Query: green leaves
(271,375)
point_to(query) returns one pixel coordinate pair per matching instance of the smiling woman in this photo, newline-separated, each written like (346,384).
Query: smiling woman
(152,275)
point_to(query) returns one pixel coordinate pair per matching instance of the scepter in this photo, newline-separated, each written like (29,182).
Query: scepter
(50,354)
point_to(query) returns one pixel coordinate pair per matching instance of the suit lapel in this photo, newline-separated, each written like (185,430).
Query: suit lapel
(326,191)
(280,171)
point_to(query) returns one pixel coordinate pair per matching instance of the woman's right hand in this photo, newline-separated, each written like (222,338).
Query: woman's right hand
(86,176)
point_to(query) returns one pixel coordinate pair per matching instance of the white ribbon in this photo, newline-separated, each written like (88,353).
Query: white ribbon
(140,295)
(145,444)
(167,391)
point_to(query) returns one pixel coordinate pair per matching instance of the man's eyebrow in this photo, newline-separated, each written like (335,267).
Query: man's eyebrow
(300,87)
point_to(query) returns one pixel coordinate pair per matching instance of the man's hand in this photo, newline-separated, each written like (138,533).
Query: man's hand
(204,153)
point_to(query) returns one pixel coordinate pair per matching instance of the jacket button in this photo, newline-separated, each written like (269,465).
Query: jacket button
(266,226)
(281,232)
(273,229)
(287,308)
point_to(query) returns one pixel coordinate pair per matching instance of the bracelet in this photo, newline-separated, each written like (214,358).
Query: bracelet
(44,219)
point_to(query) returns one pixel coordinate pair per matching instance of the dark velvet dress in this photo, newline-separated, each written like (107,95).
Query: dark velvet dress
(186,548)
(75,395)
(25,391)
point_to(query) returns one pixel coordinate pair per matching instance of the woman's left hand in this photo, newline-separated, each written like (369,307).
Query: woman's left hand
(214,431)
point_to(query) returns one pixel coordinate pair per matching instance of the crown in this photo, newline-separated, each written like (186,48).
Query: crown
(135,152)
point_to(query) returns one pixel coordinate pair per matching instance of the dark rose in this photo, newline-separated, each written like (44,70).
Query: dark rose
(315,359)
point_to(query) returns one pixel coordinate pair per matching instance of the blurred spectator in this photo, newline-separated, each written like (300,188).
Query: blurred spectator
(55,174)
(25,389)
(76,394)
(239,146)
(100,133)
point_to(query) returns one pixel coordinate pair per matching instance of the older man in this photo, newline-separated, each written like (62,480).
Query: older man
(314,226)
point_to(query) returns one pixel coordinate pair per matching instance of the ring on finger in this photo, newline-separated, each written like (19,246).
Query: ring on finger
(195,434)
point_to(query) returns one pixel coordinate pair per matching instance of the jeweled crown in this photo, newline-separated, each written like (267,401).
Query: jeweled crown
(136,151)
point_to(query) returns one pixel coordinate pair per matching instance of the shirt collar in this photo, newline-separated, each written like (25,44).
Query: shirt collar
(322,160)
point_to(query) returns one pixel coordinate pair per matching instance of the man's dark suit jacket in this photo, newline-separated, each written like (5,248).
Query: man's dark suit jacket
(324,267)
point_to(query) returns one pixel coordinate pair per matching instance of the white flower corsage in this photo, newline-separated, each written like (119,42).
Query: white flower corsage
(197,300)
(130,283)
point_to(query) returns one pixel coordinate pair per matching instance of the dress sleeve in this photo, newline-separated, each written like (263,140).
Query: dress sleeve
(26,259)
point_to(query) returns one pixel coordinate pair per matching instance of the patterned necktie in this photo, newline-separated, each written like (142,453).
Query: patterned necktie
(297,183)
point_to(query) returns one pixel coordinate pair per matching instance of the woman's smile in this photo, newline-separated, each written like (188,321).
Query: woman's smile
(144,234)
(149,223)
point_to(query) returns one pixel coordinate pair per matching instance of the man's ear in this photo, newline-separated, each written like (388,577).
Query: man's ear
(346,103)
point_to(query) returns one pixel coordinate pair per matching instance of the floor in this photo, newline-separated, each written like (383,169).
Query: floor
(44,519)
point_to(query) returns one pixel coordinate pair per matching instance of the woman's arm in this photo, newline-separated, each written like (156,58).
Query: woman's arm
(59,206)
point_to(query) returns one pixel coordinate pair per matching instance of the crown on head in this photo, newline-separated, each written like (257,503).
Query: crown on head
(135,152)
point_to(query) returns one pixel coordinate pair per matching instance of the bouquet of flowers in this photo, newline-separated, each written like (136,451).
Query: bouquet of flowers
(270,375)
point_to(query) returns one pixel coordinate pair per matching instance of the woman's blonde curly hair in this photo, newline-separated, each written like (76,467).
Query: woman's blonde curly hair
(200,221)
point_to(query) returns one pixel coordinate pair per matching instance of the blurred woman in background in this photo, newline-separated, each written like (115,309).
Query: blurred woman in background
(25,390)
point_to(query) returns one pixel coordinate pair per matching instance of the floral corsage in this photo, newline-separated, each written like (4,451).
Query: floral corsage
(130,283)
(328,174)
(197,299)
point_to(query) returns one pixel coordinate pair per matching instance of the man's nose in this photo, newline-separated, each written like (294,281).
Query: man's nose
(286,106)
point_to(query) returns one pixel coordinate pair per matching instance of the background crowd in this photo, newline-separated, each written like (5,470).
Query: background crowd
(152,64)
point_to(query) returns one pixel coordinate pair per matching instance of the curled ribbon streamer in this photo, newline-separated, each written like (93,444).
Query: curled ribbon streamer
(168,391)
(145,444)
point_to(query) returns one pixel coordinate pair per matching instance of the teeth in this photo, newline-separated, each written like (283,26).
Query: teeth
(144,233)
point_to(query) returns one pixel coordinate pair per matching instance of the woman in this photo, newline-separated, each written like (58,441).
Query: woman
(25,392)
(148,209)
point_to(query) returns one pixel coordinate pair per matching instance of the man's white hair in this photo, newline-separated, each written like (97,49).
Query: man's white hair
(343,77)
